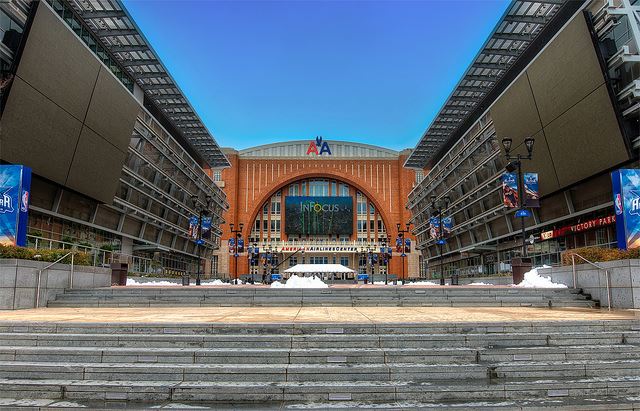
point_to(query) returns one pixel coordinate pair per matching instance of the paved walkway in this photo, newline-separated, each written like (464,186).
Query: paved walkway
(377,315)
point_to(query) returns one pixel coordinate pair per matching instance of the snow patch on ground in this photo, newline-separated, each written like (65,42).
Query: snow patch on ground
(423,283)
(480,283)
(214,282)
(300,282)
(532,279)
(131,281)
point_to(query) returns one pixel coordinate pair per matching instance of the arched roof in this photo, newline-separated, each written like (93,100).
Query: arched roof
(339,149)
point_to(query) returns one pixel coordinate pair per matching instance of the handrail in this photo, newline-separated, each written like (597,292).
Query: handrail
(46,268)
(606,274)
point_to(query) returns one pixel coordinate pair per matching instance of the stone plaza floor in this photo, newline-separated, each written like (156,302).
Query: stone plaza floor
(373,315)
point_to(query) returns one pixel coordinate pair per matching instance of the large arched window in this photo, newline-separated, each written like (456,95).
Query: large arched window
(269,224)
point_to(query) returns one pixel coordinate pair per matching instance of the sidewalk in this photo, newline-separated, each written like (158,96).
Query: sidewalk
(374,315)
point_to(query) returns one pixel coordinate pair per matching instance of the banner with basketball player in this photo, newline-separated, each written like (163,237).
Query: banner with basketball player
(626,202)
(510,190)
(15,187)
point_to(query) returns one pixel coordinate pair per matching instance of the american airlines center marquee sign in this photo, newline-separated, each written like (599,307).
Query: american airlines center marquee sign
(320,249)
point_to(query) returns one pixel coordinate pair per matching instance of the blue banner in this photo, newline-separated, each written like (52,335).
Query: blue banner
(240,245)
(447,226)
(206,228)
(626,202)
(531,191)
(15,190)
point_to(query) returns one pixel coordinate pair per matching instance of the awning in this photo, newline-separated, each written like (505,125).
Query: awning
(318,268)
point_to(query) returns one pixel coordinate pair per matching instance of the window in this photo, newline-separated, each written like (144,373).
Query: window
(214,264)
(294,190)
(419,176)
(344,261)
(293,261)
(217,175)
(344,190)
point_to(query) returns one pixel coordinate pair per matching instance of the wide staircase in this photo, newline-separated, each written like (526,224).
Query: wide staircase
(469,296)
(518,365)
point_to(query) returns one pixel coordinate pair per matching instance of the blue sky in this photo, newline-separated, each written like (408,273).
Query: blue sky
(259,72)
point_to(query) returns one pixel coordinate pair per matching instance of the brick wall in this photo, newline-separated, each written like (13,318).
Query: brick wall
(251,181)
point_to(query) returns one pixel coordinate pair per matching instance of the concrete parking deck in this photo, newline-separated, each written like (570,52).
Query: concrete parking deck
(373,315)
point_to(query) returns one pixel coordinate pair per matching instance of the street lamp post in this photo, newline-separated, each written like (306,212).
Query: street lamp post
(237,234)
(202,211)
(385,259)
(401,234)
(438,208)
(515,163)
(252,257)
(370,261)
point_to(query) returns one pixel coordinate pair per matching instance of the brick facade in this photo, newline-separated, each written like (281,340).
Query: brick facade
(252,180)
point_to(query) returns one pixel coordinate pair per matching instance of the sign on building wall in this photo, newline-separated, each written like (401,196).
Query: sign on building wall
(318,215)
(626,202)
(318,147)
(578,228)
(15,188)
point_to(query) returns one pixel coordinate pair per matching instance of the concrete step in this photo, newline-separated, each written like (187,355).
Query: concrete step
(308,341)
(239,372)
(351,393)
(396,328)
(234,356)
(317,356)
(374,296)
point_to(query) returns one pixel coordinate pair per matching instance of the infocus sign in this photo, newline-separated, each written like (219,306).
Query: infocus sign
(577,228)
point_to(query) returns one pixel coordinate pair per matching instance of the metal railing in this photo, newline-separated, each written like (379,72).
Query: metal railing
(606,273)
(39,279)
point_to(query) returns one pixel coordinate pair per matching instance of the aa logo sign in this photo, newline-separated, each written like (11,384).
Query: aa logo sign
(318,147)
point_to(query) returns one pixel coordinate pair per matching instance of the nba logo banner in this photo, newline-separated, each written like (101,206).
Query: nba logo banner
(15,187)
(626,203)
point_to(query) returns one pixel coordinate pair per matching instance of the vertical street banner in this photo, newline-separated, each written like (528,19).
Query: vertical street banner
(434,227)
(206,228)
(447,226)
(626,203)
(232,246)
(193,227)
(531,191)
(240,245)
(15,188)
(510,190)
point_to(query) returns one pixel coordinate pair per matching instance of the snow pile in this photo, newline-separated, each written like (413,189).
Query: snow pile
(214,282)
(533,280)
(382,283)
(422,283)
(300,282)
(480,283)
(131,281)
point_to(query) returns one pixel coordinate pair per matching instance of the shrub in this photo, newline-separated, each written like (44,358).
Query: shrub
(599,254)
(24,253)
